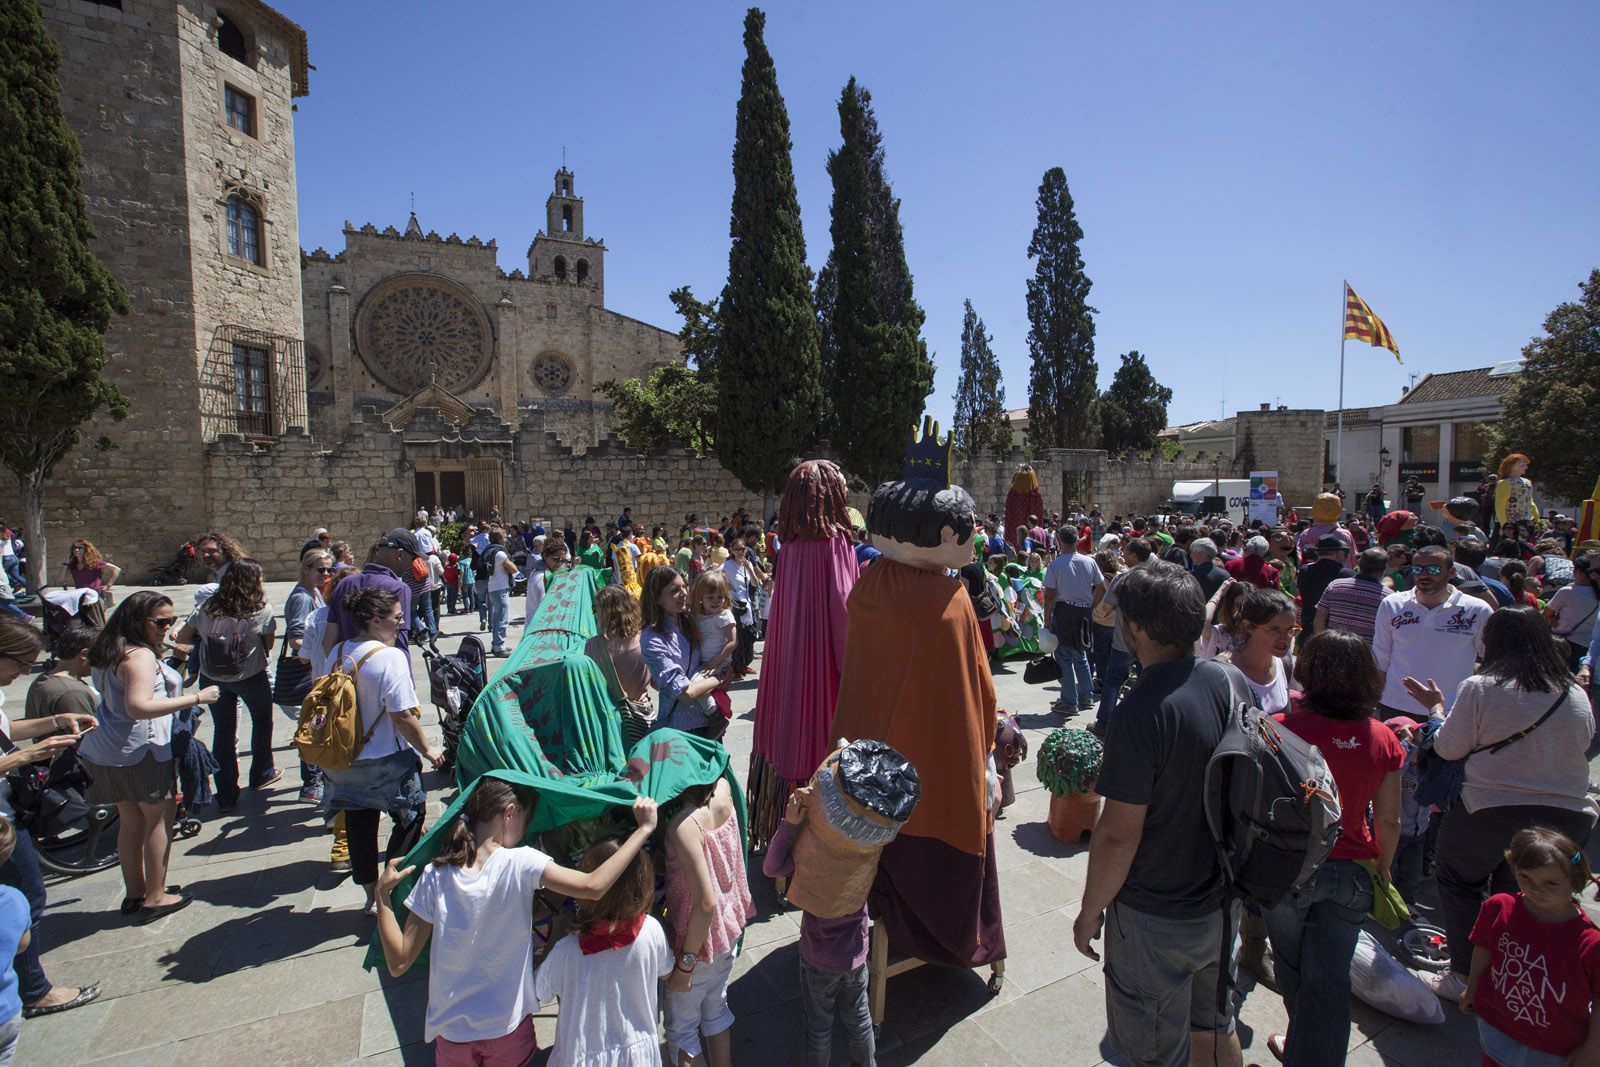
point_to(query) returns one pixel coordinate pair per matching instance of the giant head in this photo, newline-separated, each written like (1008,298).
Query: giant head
(922,520)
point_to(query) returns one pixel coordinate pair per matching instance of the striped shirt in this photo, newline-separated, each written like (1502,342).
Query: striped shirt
(1352,604)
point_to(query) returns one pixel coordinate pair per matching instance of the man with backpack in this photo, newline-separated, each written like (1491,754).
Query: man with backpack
(1155,883)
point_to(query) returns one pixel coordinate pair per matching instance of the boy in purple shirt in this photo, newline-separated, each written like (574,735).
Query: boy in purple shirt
(833,957)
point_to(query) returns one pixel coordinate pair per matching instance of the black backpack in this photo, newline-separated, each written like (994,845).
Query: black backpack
(1270,800)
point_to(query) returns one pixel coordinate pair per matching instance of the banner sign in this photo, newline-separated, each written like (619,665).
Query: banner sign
(1264,498)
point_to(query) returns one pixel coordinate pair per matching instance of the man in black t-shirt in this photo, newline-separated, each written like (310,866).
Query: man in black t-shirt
(1330,564)
(1154,884)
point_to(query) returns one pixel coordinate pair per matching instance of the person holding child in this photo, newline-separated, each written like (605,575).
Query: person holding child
(475,901)
(673,656)
(716,631)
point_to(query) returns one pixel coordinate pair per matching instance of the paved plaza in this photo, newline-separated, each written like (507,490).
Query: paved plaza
(265,966)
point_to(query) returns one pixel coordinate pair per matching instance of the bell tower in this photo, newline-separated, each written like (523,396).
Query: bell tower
(563,211)
(560,252)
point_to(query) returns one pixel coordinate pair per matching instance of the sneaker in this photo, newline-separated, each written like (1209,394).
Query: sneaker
(268,780)
(339,866)
(1062,708)
(1086,707)
(311,794)
(1446,985)
(483,627)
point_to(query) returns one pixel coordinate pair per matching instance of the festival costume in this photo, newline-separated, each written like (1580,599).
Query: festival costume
(1024,500)
(1513,501)
(805,645)
(916,677)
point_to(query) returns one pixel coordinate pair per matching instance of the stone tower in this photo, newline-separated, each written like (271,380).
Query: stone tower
(184,111)
(560,252)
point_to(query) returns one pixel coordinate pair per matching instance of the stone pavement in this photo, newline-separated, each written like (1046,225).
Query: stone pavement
(265,965)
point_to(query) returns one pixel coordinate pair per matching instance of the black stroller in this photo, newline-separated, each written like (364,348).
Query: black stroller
(454,683)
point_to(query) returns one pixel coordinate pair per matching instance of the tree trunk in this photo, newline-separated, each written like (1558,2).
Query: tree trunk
(33,532)
(766,508)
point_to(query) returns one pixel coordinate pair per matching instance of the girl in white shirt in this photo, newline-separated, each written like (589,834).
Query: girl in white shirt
(476,902)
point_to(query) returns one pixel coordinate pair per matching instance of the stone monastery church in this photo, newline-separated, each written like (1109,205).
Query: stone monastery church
(274,390)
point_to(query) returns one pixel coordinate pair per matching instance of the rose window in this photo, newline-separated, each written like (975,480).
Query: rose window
(552,373)
(418,328)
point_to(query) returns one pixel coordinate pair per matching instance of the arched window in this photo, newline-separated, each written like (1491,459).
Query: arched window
(566,217)
(583,270)
(561,268)
(231,40)
(244,230)
(566,186)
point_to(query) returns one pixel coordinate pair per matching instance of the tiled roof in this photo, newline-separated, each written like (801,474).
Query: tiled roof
(1459,385)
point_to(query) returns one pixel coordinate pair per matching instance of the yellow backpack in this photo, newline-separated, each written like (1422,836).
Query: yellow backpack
(329,735)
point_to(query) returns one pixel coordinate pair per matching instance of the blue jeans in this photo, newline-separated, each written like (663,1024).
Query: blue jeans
(1077,687)
(1111,684)
(422,609)
(822,994)
(499,616)
(480,593)
(1314,932)
(256,692)
(14,572)
(1102,652)
(23,872)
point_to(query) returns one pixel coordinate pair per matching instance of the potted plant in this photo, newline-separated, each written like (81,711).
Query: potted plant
(1068,764)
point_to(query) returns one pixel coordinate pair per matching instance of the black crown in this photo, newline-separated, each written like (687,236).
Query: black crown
(928,459)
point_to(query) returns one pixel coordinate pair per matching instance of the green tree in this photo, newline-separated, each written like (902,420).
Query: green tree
(674,402)
(1550,409)
(1062,375)
(1134,410)
(56,298)
(876,371)
(980,416)
(766,336)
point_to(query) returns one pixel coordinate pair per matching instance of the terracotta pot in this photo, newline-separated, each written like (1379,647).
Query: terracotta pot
(1073,816)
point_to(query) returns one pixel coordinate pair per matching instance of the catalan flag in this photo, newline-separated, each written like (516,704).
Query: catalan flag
(1360,324)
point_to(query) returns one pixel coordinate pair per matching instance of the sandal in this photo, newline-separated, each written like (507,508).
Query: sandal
(85,995)
(146,915)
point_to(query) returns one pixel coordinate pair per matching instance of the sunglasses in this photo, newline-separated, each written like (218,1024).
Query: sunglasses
(162,624)
(1431,569)
(322,570)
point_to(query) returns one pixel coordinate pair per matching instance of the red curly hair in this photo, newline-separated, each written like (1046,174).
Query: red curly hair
(1510,462)
(814,502)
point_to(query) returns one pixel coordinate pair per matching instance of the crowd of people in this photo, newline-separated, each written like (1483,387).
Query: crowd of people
(1374,635)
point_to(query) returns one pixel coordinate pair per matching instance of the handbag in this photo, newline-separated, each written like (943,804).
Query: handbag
(1439,780)
(292,681)
(1041,669)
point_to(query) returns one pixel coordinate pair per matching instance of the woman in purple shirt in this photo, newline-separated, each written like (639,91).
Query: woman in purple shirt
(673,657)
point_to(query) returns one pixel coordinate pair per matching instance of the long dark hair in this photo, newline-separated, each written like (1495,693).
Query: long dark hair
(488,799)
(240,594)
(1520,650)
(1514,573)
(655,583)
(124,630)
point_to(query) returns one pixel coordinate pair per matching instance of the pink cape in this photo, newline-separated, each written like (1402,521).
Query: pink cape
(804,655)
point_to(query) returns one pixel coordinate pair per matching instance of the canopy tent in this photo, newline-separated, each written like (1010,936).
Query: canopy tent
(547,721)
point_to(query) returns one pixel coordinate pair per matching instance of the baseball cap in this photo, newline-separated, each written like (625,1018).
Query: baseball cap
(403,539)
(1331,543)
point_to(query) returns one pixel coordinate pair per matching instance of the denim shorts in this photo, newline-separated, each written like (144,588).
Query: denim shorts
(1509,1052)
(391,783)
(703,1009)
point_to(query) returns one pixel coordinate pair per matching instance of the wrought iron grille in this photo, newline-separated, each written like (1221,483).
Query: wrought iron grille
(253,384)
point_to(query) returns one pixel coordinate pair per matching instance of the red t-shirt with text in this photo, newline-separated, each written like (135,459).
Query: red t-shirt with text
(1361,753)
(1542,977)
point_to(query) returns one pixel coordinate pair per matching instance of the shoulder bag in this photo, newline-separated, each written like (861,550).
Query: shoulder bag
(1439,780)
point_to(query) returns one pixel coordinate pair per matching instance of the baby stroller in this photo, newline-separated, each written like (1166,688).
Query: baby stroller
(66,607)
(454,683)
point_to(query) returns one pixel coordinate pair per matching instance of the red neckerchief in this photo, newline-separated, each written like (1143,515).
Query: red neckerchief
(606,936)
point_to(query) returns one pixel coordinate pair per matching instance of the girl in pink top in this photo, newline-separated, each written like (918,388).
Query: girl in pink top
(708,905)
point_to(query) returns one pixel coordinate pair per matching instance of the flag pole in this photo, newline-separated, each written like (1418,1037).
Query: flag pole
(1338,435)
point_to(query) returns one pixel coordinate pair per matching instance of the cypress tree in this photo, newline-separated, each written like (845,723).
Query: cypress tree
(876,369)
(980,416)
(1062,373)
(56,298)
(767,360)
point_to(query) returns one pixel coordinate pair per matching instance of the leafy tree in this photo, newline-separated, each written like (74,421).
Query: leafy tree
(1062,372)
(980,417)
(1549,411)
(766,336)
(56,298)
(1134,410)
(674,402)
(875,365)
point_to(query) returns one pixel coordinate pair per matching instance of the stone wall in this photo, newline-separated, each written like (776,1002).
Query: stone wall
(1138,485)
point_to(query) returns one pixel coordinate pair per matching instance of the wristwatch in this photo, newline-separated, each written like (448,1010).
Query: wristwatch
(687,961)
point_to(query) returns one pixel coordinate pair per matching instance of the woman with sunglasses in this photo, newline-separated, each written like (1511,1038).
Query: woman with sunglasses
(130,750)
(295,671)
(20,645)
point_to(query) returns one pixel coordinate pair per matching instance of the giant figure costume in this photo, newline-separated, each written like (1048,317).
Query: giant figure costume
(916,676)
(805,645)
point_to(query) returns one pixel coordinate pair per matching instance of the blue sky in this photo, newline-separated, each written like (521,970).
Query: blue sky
(1232,163)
